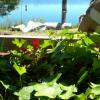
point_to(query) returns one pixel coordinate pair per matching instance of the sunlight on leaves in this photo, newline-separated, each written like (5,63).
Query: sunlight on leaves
(93,92)
(46,89)
(50,89)
(45,44)
(70,91)
(80,97)
(88,41)
(18,42)
(20,70)
(24,93)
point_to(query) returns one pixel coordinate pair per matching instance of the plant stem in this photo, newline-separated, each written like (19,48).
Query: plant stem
(1,98)
(5,94)
(20,79)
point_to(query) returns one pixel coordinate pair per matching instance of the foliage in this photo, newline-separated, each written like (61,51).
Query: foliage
(65,67)
(6,6)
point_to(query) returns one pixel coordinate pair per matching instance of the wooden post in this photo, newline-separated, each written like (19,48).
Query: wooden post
(64,2)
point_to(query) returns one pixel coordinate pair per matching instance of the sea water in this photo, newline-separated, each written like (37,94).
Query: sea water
(46,10)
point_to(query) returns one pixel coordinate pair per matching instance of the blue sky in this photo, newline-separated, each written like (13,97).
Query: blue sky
(55,1)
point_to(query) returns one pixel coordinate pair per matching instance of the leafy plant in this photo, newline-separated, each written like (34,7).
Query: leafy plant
(65,67)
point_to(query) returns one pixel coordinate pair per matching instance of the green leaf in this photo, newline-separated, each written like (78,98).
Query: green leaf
(92,85)
(5,85)
(25,92)
(82,77)
(66,88)
(20,70)
(29,48)
(56,78)
(18,42)
(93,92)
(88,41)
(47,89)
(96,64)
(92,96)
(95,38)
(96,90)
(80,97)
(70,92)
(16,53)
(88,91)
(58,47)
(97,97)
(46,44)
(8,87)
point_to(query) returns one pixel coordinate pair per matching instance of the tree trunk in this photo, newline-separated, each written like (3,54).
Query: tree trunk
(63,19)
(64,2)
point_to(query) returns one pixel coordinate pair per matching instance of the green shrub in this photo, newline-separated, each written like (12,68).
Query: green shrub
(59,68)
